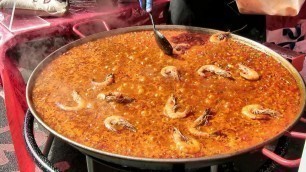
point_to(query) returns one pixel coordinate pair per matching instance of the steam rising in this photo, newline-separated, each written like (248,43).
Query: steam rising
(28,55)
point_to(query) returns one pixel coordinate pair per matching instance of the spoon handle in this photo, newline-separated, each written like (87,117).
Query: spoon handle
(151,17)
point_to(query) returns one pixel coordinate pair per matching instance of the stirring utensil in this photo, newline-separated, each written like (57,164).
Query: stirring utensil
(161,40)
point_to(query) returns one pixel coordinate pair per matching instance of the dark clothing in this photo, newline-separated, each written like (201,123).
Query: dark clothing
(197,12)
(216,14)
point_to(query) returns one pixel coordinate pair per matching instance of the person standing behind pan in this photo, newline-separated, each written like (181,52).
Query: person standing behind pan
(215,14)
(191,12)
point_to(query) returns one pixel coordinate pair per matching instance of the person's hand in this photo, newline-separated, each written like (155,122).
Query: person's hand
(146,5)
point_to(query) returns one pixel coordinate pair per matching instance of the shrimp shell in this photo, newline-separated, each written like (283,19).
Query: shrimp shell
(171,107)
(256,111)
(78,99)
(170,71)
(115,97)
(109,79)
(111,121)
(214,69)
(248,73)
(180,48)
(185,144)
(219,37)
(201,120)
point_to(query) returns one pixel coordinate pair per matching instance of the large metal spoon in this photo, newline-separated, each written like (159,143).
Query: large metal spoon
(161,40)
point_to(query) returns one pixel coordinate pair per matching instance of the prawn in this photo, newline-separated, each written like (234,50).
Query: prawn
(201,120)
(219,37)
(170,71)
(185,144)
(223,36)
(256,111)
(78,99)
(112,123)
(213,69)
(171,107)
(248,73)
(115,97)
(109,79)
(180,48)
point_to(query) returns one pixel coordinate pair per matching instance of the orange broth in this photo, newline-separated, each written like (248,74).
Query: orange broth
(136,61)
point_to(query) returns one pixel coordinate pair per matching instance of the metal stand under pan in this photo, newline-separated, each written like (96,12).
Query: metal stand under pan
(94,164)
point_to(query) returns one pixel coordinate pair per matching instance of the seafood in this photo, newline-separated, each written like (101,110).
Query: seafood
(219,37)
(213,69)
(138,75)
(185,144)
(248,73)
(256,111)
(115,123)
(115,97)
(180,48)
(170,71)
(201,120)
(171,107)
(109,79)
(78,99)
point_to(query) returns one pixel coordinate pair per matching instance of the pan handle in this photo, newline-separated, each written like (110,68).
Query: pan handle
(297,135)
(33,148)
(280,160)
(80,34)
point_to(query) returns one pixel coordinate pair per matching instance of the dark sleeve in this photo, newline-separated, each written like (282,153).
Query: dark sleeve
(196,12)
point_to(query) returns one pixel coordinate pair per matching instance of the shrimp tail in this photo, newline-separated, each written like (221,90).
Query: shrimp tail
(78,99)
(109,79)
(112,121)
